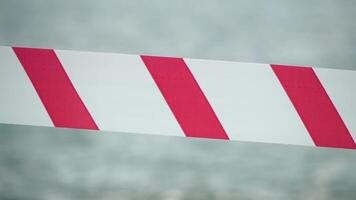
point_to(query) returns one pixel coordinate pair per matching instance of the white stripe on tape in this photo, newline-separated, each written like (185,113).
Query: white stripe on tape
(250,109)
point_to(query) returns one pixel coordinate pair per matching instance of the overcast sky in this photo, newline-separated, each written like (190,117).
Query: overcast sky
(43,163)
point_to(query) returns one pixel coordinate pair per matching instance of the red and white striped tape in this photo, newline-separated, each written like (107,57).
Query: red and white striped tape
(176,96)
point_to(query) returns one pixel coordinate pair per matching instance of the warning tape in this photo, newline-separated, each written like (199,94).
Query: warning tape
(178,96)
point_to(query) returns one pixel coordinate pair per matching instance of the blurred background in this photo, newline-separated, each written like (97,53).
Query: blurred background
(45,163)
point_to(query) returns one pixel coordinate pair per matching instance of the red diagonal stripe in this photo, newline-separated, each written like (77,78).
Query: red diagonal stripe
(314,106)
(54,88)
(184,97)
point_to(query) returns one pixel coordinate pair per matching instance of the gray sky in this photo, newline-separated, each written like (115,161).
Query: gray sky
(43,163)
(306,32)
